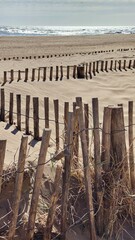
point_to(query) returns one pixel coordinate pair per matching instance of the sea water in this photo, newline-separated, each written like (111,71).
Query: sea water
(64,30)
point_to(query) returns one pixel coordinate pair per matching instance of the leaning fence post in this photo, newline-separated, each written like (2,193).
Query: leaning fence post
(98,167)
(36,117)
(46,111)
(18,101)
(87,174)
(56,113)
(53,204)
(2,157)
(27,114)
(11,102)
(37,183)
(66,175)
(18,187)
(131,147)
(2,105)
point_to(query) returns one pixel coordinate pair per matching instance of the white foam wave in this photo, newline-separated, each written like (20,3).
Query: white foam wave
(64,30)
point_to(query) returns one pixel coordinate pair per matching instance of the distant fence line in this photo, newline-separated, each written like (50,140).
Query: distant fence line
(67,54)
(86,70)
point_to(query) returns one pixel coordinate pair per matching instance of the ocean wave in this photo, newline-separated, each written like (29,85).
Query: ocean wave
(64,30)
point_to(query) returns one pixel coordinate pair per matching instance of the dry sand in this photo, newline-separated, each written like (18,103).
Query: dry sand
(111,88)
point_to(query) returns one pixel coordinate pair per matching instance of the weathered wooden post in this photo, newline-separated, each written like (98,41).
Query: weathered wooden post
(66,175)
(131,147)
(46,111)
(119,65)
(111,65)
(74,71)
(130,64)
(12,75)
(26,74)
(18,101)
(36,117)
(51,73)
(61,72)
(56,113)
(86,120)
(37,183)
(53,204)
(102,66)
(2,105)
(66,110)
(68,72)
(97,66)
(115,65)
(98,167)
(90,71)
(18,188)
(44,74)
(94,69)
(124,64)
(75,136)
(39,69)
(11,102)
(80,71)
(86,71)
(106,66)
(33,75)
(2,157)
(118,167)
(27,114)
(106,139)
(87,175)
(57,73)
(19,76)
(5,77)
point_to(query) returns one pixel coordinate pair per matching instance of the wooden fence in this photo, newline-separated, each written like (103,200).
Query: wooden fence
(67,54)
(108,190)
(87,71)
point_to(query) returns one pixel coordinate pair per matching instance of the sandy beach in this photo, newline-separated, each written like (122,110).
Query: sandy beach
(111,88)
